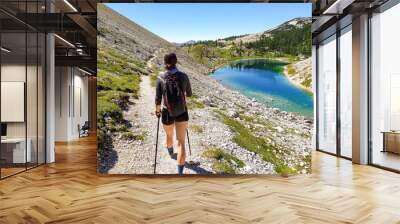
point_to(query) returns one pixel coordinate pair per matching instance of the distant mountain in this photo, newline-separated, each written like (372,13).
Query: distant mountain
(187,43)
(297,23)
(233,37)
(292,37)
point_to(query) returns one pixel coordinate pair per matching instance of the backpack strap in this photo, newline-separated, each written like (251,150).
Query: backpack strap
(161,78)
(163,81)
(180,81)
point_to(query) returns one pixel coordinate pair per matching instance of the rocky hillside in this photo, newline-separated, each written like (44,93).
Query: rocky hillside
(296,23)
(229,133)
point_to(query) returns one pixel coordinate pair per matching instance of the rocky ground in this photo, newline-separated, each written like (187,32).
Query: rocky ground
(288,135)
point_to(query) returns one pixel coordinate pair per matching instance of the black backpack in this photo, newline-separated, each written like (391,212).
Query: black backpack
(173,94)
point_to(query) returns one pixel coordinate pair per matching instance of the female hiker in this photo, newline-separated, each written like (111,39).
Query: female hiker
(172,88)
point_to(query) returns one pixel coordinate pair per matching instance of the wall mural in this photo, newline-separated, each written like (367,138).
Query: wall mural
(204,89)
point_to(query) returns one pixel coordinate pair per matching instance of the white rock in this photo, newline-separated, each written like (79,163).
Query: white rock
(233,114)
(279,129)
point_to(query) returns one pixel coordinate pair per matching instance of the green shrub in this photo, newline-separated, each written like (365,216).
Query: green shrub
(291,70)
(247,118)
(216,153)
(219,154)
(307,82)
(192,103)
(124,83)
(111,103)
(153,79)
(128,135)
(196,128)
(222,168)
(118,79)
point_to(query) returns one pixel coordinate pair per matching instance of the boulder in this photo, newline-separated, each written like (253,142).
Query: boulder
(279,129)
(308,121)
(233,114)
(275,110)
(207,101)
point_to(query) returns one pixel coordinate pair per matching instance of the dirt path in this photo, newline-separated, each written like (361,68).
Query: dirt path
(137,156)
(143,110)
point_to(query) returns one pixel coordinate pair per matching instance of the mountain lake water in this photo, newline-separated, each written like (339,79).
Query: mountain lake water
(263,80)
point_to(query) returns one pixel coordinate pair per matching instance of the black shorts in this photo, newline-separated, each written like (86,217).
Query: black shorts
(168,120)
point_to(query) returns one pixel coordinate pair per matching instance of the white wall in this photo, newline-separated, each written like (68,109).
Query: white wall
(80,115)
(12,73)
(62,81)
(33,126)
(70,83)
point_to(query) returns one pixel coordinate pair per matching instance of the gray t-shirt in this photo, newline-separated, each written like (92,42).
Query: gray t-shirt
(183,80)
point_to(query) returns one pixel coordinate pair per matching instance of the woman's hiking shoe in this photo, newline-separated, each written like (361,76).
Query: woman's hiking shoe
(171,151)
(180,169)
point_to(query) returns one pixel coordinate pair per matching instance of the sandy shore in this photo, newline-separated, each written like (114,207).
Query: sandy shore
(285,72)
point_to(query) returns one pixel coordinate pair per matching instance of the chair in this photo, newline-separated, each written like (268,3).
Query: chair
(84,130)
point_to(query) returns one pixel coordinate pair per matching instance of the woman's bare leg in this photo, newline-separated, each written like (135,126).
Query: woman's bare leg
(180,137)
(169,132)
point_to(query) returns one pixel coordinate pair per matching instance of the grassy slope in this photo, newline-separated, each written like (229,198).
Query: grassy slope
(224,161)
(118,79)
(268,152)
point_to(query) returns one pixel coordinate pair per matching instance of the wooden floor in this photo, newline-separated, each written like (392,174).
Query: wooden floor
(70,191)
(8,171)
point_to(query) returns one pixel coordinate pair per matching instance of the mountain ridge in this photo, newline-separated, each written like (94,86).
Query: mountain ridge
(248,37)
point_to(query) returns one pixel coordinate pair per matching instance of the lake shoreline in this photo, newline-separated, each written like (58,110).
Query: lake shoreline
(211,70)
(279,59)
(288,103)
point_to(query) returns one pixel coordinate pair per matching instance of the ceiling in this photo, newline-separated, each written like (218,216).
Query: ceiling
(75,21)
(329,15)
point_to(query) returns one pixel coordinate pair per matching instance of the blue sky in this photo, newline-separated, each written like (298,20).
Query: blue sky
(182,22)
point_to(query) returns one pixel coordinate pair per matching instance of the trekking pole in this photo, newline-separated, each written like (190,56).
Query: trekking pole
(191,162)
(190,150)
(155,155)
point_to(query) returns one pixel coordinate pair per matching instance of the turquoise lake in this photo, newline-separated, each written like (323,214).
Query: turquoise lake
(263,80)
